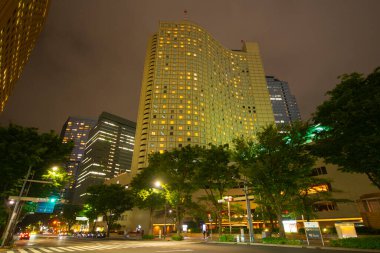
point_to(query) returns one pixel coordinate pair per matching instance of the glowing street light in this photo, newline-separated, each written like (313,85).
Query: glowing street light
(157,184)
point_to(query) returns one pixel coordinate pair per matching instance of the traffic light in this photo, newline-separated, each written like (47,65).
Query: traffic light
(53,199)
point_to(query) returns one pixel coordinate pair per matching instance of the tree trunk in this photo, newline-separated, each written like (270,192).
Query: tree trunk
(178,221)
(219,217)
(94,226)
(280,225)
(108,223)
(150,221)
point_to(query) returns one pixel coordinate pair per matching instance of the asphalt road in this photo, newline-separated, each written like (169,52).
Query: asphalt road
(53,245)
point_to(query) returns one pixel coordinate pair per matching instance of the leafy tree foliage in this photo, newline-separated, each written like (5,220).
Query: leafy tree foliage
(278,167)
(69,214)
(176,169)
(110,201)
(352,112)
(215,175)
(91,213)
(22,148)
(147,197)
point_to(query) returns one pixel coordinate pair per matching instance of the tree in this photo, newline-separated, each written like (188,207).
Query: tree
(215,175)
(353,115)
(145,196)
(91,214)
(22,149)
(69,214)
(110,201)
(278,167)
(176,169)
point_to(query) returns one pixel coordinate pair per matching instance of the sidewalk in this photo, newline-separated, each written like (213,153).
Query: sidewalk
(198,237)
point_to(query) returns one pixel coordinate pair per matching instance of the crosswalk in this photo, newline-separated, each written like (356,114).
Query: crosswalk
(92,247)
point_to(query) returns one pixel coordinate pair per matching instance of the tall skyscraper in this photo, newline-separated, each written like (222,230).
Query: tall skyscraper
(195,91)
(284,104)
(21,21)
(108,152)
(76,130)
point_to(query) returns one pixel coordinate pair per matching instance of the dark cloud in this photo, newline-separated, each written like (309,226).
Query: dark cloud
(90,55)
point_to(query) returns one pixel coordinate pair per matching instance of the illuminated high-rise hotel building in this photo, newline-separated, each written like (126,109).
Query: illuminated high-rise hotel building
(195,91)
(21,21)
(77,130)
(108,153)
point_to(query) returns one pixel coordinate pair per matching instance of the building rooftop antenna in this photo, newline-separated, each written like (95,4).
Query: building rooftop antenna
(185,15)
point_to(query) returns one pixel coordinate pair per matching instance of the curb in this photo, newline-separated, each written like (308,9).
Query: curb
(297,246)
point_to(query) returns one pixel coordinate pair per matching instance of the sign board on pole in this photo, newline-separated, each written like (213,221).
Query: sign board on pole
(221,201)
(45,207)
(81,218)
(290,226)
(313,231)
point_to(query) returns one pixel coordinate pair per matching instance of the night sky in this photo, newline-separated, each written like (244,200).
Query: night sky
(90,55)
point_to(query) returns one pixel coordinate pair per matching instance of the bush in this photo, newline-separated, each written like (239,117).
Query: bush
(148,237)
(177,237)
(227,238)
(360,243)
(281,240)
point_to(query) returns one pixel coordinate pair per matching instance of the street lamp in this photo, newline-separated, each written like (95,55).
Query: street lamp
(229,199)
(159,185)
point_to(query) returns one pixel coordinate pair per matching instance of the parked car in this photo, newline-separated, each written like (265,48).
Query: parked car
(24,236)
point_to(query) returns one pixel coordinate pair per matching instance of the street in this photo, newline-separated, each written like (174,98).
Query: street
(54,244)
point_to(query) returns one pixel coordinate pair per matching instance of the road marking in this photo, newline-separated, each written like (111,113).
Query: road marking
(58,250)
(34,250)
(63,248)
(10,251)
(75,248)
(175,250)
(46,250)
(23,251)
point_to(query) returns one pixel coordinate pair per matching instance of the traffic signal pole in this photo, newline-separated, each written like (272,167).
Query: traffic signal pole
(9,231)
(7,236)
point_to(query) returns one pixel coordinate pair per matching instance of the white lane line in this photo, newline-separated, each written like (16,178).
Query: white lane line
(102,247)
(23,251)
(65,249)
(81,247)
(34,250)
(75,248)
(54,249)
(10,251)
(46,250)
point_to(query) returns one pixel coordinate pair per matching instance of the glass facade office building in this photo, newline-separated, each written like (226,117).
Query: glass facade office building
(108,153)
(284,104)
(195,91)
(77,130)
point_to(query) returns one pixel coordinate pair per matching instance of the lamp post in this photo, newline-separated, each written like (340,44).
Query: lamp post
(159,185)
(249,215)
(229,199)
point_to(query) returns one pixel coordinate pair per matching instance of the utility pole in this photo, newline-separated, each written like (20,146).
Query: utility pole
(13,218)
(8,233)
